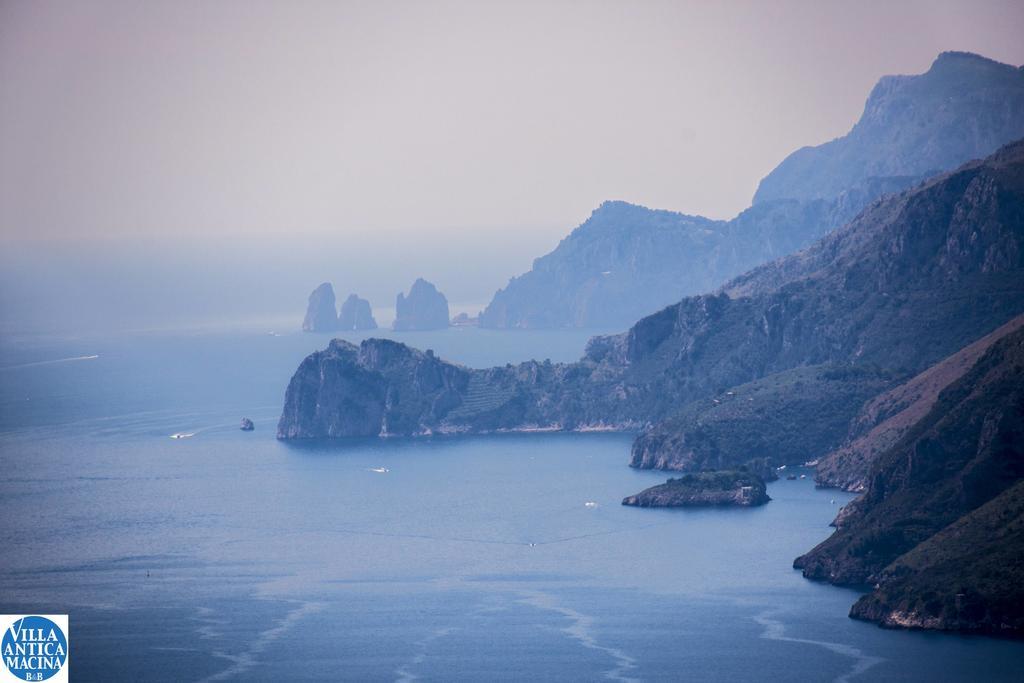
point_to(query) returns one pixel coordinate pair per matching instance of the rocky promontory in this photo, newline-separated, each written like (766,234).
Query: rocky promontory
(321,315)
(356,314)
(938,532)
(385,388)
(700,489)
(425,308)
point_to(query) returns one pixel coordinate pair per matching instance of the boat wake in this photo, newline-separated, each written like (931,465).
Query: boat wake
(404,673)
(776,630)
(50,362)
(581,630)
(244,661)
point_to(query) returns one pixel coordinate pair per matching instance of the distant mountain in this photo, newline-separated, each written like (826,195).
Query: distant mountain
(964,107)
(628,261)
(939,530)
(914,278)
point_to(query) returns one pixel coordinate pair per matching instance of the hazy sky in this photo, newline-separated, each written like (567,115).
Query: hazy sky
(475,123)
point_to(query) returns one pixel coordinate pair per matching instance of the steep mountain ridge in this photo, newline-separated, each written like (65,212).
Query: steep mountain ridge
(965,106)
(881,421)
(914,278)
(628,261)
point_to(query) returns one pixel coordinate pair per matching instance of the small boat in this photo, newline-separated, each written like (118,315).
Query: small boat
(803,476)
(590,504)
(182,435)
(380,470)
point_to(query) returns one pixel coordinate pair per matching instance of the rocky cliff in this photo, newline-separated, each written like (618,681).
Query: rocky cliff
(424,308)
(701,489)
(938,530)
(628,261)
(385,388)
(914,278)
(356,314)
(321,315)
(967,577)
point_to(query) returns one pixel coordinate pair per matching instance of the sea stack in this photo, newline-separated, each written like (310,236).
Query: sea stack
(247,425)
(321,315)
(424,308)
(356,314)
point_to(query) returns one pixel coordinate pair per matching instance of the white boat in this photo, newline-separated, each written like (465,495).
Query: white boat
(380,470)
(182,435)
(590,504)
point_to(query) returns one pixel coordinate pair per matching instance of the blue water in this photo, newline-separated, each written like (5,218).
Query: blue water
(230,555)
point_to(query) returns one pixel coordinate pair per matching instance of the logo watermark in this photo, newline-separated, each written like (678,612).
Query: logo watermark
(34,647)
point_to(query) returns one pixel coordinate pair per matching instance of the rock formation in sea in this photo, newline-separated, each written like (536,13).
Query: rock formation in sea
(246,425)
(627,261)
(424,308)
(321,315)
(356,314)
(700,489)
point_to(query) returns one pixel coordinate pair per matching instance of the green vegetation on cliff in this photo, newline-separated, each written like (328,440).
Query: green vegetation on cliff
(721,487)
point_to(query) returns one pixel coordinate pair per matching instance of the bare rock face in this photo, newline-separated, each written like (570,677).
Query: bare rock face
(321,315)
(356,314)
(424,309)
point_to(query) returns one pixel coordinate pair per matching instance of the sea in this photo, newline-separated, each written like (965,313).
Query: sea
(229,555)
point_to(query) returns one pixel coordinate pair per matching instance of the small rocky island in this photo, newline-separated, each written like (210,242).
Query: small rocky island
(246,425)
(356,314)
(321,315)
(424,308)
(722,487)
